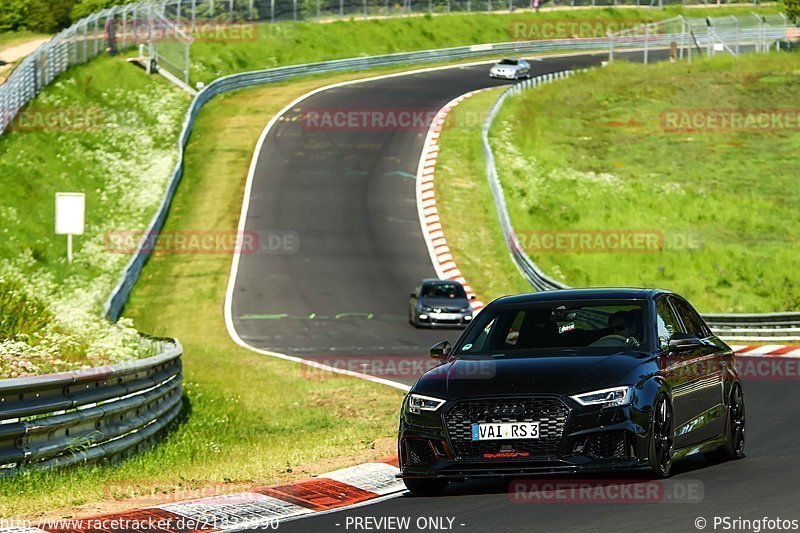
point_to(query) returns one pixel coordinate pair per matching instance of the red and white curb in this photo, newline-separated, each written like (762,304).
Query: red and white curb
(429,220)
(767,350)
(267,506)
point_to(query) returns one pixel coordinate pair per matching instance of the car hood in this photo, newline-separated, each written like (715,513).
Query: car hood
(507,67)
(549,374)
(449,303)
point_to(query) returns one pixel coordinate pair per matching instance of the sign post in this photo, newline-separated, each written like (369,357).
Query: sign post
(70,214)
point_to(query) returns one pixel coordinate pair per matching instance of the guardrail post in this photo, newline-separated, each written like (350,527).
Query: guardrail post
(646,32)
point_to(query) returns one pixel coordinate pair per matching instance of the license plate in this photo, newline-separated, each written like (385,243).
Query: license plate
(505,431)
(445,316)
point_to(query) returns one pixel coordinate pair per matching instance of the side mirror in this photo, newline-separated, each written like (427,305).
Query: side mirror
(472,297)
(683,342)
(440,350)
(413,295)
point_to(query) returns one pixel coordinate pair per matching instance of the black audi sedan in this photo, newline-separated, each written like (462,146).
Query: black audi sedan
(571,381)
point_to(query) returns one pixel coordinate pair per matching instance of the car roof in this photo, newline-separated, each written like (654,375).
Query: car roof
(431,281)
(599,293)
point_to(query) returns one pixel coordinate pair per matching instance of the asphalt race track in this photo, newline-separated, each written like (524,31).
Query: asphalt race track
(348,199)
(345,203)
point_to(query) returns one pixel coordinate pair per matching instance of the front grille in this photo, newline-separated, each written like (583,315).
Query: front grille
(418,452)
(551,413)
(607,445)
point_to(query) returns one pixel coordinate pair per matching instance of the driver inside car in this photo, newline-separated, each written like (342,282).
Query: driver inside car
(623,329)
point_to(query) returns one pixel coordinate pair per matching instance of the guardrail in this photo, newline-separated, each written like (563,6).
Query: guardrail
(772,327)
(83,416)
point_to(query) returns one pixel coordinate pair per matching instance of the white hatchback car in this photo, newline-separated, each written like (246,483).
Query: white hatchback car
(511,69)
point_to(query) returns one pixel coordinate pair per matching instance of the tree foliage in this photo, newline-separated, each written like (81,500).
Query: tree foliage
(47,16)
(793,10)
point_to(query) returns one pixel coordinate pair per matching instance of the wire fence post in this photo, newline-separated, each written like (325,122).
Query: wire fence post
(646,35)
(85,42)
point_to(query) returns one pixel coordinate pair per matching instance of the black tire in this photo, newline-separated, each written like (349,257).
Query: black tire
(733,448)
(662,438)
(425,487)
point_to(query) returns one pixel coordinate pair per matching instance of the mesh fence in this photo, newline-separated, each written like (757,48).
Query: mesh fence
(165,30)
(688,38)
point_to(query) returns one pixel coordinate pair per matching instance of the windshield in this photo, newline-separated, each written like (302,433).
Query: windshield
(508,62)
(443,290)
(557,325)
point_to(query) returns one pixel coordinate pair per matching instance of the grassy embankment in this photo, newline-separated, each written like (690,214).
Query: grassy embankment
(272,45)
(598,156)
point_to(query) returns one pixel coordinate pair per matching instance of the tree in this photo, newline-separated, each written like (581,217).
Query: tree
(793,10)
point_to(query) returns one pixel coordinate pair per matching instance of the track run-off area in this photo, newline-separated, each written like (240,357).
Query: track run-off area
(338,209)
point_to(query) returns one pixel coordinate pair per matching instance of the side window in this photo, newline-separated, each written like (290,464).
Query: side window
(666,322)
(691,320)
(480,343)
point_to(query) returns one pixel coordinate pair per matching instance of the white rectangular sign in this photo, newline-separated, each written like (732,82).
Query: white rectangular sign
(70,210)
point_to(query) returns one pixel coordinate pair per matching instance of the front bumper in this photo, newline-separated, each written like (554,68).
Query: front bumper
(445,320)
(503,76)
(591,440)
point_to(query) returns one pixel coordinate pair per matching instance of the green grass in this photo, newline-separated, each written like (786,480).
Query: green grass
(273,45)
(464,201)
(106,130)
(248,419)
(596,156)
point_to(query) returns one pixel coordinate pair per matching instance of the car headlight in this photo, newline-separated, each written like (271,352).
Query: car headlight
(614,397)
(426,308)
(417,403)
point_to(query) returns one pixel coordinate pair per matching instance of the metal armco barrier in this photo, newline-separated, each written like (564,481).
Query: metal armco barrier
(772,327)
(83,416)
